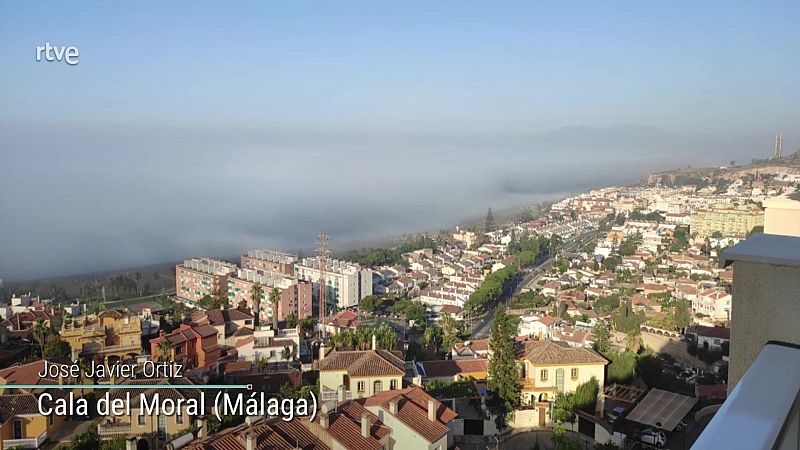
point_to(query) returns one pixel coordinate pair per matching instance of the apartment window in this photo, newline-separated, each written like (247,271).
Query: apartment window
(543,375)
(573,373)
(377,386)
(179,418)
(140,420)
(393,384)
(360,386)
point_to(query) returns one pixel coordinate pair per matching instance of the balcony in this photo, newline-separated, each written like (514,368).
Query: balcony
(763,410)
(113,429)
(328,394)
(25,443)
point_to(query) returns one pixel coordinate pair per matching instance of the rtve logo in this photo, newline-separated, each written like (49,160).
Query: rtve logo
(52,53)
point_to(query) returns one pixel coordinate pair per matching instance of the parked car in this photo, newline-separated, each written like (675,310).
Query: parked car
(653,437)
(616,413)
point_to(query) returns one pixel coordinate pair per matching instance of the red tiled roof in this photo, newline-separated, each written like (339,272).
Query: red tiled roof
(450,368)
(363,362)
(412,410)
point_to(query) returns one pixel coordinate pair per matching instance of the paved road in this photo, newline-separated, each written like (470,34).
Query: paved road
(481,326)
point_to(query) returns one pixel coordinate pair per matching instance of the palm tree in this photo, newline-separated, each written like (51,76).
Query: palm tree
(255,299)
(164,350)
(40,332)
(274,298)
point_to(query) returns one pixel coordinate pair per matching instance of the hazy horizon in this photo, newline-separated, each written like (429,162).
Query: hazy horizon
(192,129)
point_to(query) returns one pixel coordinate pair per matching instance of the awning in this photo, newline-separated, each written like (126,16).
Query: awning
(662,409)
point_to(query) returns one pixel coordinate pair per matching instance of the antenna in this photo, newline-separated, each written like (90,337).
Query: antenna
(323,253)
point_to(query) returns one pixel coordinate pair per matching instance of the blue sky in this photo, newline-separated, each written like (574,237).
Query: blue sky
(443,66)
(207,128)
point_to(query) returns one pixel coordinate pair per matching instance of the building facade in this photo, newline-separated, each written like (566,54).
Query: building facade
(198,277)
(345,283)
(729,221)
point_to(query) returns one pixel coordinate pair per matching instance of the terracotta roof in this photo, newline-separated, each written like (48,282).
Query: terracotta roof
(412,410)
(269,434)
(364,362)
(450,368)
(345,319)
(549,352)
(222,316)
(29,373)
(478,345)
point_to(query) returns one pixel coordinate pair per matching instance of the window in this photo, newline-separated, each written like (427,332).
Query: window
(18,429)
(179,418)
(393,384)
(360,386)
(573,373)
(543,375)
(377,386)
(140,420)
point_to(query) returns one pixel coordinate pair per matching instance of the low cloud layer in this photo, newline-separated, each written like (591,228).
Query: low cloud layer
(81,200)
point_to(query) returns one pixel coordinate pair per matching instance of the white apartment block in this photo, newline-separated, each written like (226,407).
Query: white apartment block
(345,283)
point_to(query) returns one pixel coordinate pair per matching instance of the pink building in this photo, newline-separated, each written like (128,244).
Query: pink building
(295,295)
(198,277)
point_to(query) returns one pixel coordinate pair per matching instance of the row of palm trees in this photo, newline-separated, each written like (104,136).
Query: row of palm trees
(274,297)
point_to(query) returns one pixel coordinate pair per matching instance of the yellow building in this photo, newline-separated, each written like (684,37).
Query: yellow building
(467,237)
(156,429)
(358,374)
(548,368)
(730,221)
(21,424)
(113,334)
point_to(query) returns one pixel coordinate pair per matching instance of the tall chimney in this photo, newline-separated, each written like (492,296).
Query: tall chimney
(321,350)
(432,410)
(393,406)
(323,420)
(365,425)
(250,441)
(374,342)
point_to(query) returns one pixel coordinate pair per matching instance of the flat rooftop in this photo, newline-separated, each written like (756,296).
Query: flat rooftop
(765,249)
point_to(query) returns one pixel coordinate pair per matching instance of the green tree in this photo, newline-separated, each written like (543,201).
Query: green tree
(561,441)
(503,374)
(275,298)
(490,225)
(256,293)
(56,347)
(40,332)
(586,395)
(602,338)
(564,407)
(369,304)
(164,350)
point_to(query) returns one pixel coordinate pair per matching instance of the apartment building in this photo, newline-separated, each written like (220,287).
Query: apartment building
(548,368)
(296,296)
(730,221)
(114,334)
(270,261)
(198,277)
(345,283)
